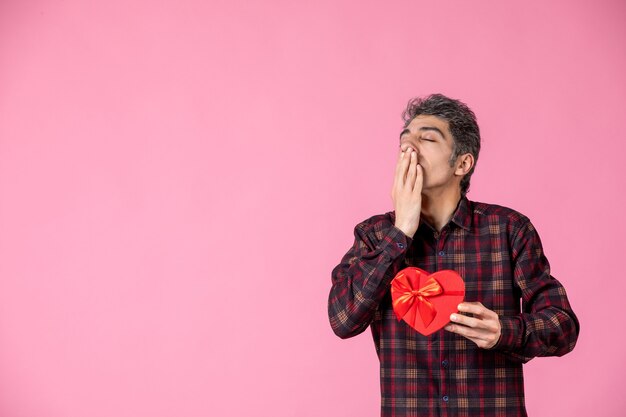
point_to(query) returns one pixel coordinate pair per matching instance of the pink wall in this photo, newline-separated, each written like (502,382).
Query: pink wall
(178,178)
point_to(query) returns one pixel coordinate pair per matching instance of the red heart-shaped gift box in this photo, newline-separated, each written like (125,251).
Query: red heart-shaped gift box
(425,301)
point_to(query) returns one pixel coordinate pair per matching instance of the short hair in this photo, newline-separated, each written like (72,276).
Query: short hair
(461,120)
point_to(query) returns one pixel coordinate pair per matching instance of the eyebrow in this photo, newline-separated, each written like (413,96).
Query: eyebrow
(423,129)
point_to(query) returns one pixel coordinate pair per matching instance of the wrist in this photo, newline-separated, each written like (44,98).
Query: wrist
(407,229)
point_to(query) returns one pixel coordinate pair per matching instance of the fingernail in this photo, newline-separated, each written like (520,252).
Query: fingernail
(453,317)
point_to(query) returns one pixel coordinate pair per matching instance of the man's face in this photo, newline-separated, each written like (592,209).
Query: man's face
(430,137)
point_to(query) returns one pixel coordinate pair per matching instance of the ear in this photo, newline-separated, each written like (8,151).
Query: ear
(464,163)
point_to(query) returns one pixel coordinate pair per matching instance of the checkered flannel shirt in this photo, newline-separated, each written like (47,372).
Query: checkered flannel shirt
(498,253)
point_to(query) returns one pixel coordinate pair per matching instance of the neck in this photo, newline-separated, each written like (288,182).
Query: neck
(438,207)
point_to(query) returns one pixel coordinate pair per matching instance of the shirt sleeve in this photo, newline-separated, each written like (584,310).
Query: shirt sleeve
(361,280)
(546,326)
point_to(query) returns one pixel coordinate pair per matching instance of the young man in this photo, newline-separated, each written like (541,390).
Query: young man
(472,367)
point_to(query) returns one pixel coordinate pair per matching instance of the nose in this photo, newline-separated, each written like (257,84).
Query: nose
(409,144)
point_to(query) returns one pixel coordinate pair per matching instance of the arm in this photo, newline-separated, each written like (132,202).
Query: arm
(547,326)
(363,277)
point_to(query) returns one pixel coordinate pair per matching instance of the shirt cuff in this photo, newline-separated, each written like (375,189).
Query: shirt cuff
(397,243)
(511,332)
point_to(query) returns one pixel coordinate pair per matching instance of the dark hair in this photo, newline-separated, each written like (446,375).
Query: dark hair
(462,122)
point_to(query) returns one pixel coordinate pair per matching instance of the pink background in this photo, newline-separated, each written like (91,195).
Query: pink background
(179,178)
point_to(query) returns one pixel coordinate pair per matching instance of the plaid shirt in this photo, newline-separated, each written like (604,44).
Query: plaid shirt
(499,255)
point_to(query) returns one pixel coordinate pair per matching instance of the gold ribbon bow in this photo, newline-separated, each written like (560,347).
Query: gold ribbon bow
(408,297)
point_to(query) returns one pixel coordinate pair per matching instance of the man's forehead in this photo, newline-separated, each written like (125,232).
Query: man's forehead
(423,123)
(429,120)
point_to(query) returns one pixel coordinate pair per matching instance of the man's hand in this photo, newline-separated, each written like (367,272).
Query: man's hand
(483,329)
(406,192)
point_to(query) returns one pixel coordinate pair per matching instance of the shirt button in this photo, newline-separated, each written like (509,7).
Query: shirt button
(445,398)
(441,253)
(444,363)
(400,245)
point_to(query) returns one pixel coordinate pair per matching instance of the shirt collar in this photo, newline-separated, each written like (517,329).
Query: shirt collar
(462,216)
